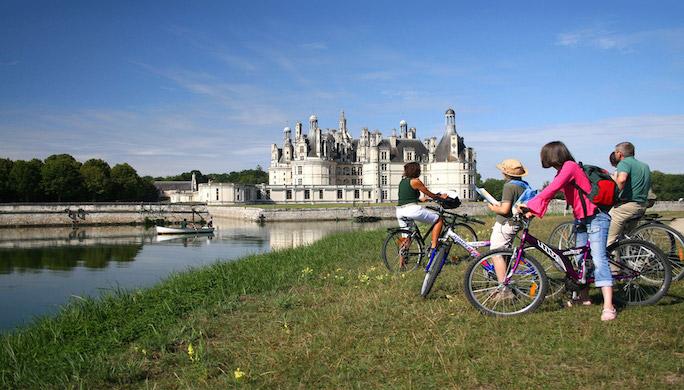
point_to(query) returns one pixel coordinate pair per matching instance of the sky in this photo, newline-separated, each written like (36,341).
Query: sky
(174,86)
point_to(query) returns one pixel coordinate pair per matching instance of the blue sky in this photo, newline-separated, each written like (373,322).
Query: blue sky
(174,86)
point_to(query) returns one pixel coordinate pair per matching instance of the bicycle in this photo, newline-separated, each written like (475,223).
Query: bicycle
(641,274)
(404,248)
(446,241)
(649,227)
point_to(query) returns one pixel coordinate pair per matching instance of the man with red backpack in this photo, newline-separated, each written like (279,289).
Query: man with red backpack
(633,178)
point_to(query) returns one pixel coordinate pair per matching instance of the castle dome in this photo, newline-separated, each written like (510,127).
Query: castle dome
(450,111)
(402,123)
(285,130)
(313,118)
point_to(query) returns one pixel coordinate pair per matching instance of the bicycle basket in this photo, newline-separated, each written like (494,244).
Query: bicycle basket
(450,203)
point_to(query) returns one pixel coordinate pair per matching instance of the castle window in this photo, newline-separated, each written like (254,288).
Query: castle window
(320,194)
(356,194)
(299,182)
(464,194)
(299,170)
(369,194)
(353,171)
(464,179)
(383,167)
(384,194)
(339,194)
(409,156)
(288,194)
(383,155)
(383,180)
(217,194)
(307,194)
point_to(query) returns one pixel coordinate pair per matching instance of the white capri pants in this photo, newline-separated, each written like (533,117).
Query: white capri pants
(416,213)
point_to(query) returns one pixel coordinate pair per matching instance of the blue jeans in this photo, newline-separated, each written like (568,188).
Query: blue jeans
(597,233)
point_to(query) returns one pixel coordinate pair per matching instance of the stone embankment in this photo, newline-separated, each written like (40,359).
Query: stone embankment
(255,213)
(50,214)
(59,214)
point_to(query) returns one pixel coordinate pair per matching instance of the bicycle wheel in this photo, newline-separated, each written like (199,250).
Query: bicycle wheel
(524,292)
(668,240)
(641,275)
(563,236)
(467,233)
(434,268)
(402,251)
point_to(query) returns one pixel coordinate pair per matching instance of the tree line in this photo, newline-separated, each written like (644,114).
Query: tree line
(61,178)
(667,186)
(247,176)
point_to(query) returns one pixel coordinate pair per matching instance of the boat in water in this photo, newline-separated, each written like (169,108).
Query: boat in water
(185,230)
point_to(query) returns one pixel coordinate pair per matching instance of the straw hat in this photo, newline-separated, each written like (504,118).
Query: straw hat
(512,167)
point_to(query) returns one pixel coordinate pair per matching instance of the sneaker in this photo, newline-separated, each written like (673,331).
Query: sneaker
(608,314)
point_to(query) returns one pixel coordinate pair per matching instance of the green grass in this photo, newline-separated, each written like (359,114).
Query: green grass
(329,316)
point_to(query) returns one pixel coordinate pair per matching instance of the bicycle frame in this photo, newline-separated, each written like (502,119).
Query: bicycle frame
(456,239)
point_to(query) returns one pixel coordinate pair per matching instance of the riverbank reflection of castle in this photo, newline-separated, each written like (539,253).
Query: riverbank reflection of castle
(330,166)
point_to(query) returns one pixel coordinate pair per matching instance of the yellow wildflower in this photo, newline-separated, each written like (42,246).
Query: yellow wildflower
(191,353)
(238,374)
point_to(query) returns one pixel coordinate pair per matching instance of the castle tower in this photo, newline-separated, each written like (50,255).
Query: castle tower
(450,119)
(403,129)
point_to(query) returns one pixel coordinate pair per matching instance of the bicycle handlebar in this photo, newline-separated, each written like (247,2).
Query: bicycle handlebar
(462,217)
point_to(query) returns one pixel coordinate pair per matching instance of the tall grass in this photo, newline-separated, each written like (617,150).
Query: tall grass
(328,315)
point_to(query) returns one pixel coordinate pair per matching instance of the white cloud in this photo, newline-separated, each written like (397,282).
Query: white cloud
(602,38)
(658,140)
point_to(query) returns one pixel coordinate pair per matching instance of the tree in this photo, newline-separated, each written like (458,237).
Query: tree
(494,187)
(97,179)
(126,183)
(25,178)
(5,186)
(667,186)
(61,178)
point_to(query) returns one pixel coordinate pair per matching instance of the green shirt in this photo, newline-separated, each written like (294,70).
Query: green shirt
(406,193)
(510,193)
(638,180)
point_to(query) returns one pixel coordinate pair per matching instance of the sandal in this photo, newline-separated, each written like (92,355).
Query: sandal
(608,314)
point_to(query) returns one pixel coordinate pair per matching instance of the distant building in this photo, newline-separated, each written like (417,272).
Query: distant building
(332,167)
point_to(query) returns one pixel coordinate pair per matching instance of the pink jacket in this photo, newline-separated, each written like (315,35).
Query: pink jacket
(568,174)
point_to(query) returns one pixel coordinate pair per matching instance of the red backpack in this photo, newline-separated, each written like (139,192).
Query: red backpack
(604,190)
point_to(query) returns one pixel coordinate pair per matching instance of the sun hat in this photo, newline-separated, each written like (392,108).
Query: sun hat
(512,167)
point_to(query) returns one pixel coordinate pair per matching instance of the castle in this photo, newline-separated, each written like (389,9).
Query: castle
(330,166)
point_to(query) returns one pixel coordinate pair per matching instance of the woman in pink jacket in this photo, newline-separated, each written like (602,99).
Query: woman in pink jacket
(591,223)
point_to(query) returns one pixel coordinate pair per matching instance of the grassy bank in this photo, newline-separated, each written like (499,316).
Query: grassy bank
(328,315)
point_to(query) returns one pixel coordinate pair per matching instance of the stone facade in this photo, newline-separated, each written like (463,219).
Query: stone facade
(331,166)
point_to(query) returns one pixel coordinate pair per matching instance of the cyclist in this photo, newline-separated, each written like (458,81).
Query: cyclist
(410,188)
(504,230)
(593,225)
(634,181)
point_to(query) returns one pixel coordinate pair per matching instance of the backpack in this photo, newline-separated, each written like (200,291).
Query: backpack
(528,194)
(604,191)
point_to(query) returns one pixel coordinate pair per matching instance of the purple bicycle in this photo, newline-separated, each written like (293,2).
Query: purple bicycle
(641,274)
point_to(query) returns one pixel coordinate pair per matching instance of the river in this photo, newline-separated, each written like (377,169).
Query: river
(41,269)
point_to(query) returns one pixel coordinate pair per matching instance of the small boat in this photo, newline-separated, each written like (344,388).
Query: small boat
(186,230)
(367,218)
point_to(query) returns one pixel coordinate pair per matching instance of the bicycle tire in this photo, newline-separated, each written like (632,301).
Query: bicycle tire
(392,251)
(643,273)
(468,234)
(528,285)
(563,236)
(668,240)
(434,268)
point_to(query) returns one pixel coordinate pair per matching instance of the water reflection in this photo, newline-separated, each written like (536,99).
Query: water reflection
(41,268)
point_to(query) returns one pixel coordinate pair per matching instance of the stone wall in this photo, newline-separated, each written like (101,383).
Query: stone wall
(50,214)
(56,214)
